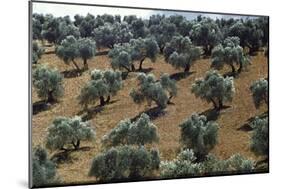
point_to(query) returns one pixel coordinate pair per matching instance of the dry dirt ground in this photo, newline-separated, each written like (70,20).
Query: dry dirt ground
(233,134)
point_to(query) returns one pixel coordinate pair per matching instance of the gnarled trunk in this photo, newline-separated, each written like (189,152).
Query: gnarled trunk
(187,68)
(102,101)
(76,145)
(50,97)
(76,66)
(85,64)
(108,99)
(133,68)
(141,61)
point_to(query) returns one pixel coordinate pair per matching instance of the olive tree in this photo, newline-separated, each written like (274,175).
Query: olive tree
(250,34)
(37,52)
(149,89)
(65,132)
(87,50)
(68,51)
(125,162)
(140,132)
(259,91)
(102,84)
(139,29)
(184,165)
(121,57)
(43,169)
(207,34)
(199,134)
(229,53)
(260,136)
(142,49)
(67,30)
(214,88)
(234,164)
(48,83)
(181,53)
(162,32)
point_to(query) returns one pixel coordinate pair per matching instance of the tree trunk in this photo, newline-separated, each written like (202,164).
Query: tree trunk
(128,70)
(169,100)
(85,64)
(214,104)
(240,67)
(76,145)
(108,99)
(133,67)
(76,66)
(220,105)
(50,97)
(162,49)
(102,101)
(233,71)
(187,68)
(141,61)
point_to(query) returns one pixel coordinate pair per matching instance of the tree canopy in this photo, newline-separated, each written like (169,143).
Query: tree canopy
(214,88)
(65,132)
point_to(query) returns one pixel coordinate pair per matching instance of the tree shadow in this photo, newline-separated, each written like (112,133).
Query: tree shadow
(40,106)
(181,75)
(211,114)
(65,156)
(153,113)
(90,113)
(247,126)
(144,70)
(72,73)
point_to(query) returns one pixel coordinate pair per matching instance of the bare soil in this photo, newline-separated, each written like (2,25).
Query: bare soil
(234,136)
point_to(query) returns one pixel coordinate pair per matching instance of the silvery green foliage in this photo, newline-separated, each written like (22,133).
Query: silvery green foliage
(36,52)
(199,134)
(139,29)
(162,31)
(250,33)
(112,33)
(43,170)
(65,131)
(48,83)
(68,50)
(235,164)
(125,162)
(50,28)
(206,33)
(214,88)
(102,84)
(181,53)
(140,132)
(259,140)
(184,165)
(259,91)
(169,85)
(87,49)
(229,53)
(143,48)
(67,30)
(37,25)
(149,89)
(121,57)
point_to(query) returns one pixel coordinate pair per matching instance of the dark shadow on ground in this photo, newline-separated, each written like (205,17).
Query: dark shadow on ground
(211,114)
(72,73)
(181,75)
(247,126)
(153,113)
(65,155)
(40,106)
(144,70)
